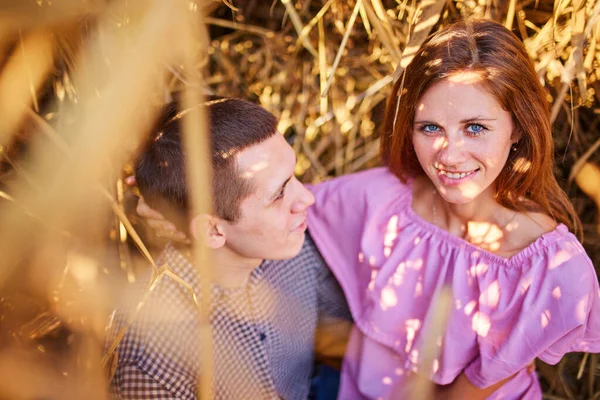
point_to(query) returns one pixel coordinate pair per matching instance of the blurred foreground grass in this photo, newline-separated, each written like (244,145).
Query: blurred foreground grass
(80,83)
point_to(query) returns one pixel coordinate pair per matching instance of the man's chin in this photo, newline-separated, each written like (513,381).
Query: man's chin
(291,250)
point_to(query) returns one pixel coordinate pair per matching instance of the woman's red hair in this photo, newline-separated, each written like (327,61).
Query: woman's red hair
(527,182)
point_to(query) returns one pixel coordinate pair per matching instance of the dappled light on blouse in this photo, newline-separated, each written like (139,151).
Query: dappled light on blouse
(559,259)
(391,233)
(388,298)
(556,293)
(481,323)
(412,326)
(490,297)
(545,318)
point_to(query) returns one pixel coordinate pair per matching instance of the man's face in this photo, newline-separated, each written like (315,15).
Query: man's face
(273,217)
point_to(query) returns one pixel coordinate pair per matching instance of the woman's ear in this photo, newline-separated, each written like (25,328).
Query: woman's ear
(209,230)
(516,136)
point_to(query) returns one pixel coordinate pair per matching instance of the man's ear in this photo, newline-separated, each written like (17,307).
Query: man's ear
(209,230)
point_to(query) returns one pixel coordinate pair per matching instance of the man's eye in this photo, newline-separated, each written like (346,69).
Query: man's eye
(280,194)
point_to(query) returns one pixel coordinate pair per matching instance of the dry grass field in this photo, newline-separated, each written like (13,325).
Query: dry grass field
(81,82)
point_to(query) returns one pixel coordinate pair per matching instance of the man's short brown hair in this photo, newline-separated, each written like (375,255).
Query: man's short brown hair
(234,125)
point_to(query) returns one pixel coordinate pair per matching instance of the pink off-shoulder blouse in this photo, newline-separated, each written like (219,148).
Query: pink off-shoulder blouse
(542,302)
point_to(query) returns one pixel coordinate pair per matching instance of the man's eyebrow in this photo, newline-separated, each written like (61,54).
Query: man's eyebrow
(280,188)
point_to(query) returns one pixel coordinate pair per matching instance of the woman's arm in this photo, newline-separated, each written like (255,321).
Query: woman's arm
(462,388)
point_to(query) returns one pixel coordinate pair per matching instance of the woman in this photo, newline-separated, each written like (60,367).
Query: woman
(467,201)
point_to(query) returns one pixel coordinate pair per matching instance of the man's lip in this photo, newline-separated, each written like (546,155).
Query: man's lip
(300,226)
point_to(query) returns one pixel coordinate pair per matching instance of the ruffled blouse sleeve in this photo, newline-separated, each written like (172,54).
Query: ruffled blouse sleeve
(552,309)
(338,222)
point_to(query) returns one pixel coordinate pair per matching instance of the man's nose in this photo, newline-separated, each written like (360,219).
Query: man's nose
(305,199)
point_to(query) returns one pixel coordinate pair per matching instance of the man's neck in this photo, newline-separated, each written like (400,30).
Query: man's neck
(232,270)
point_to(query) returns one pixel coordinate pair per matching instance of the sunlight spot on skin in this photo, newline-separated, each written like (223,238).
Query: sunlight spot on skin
(391,233)
(388,298)
(545,318)
(484,232)
(512,226)
(470,307)
(491,295)
(478,269)
(412,326)
(466,77)
(372,282)
(556,293)
(524,284)
(581,311)
(440,143)
(399,371)
(485,235)
(560,258)
(491,163)
(417,240)
(522,165)
(481,324)
(259,166)
(361,257)
(421,106)
(470,190)
(387,380)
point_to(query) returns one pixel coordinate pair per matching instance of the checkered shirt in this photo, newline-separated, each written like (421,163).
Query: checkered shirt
(263,334)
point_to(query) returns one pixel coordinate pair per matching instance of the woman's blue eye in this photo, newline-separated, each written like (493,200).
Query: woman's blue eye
(429,128)
(476,129)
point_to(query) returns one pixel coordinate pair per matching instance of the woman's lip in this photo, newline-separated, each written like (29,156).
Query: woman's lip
(447,180)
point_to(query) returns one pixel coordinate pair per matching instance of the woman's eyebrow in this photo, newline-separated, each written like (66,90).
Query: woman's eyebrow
(478,118)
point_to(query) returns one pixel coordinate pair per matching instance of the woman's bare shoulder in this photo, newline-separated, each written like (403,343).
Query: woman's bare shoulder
(529,226)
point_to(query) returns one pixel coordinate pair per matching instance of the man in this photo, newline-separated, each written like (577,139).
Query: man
(264,313)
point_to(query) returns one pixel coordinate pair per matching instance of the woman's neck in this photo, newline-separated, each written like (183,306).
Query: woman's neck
(481,221)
